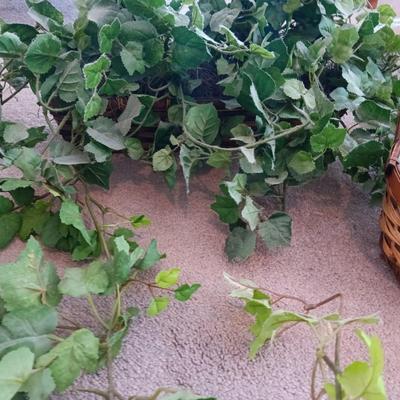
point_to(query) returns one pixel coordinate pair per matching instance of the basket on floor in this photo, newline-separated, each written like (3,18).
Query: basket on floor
(390,216)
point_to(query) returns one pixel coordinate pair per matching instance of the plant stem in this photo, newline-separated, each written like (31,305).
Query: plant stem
(71,321)
(67,328)
(5,66)
(14,93)
(142,122)
(110,371)
(99,392)
(53,132)
(150,285)
(310,307)
(338,387)
(95,312)
(99,229)
(330,364)
(281,134)
(46,106)
(313,379)
(154,396)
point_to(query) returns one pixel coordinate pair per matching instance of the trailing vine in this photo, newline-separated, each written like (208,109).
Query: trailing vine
(357,380)
(259,90)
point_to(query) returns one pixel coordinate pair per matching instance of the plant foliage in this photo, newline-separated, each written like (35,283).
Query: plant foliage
(257,89)
(41,349)
(361,380)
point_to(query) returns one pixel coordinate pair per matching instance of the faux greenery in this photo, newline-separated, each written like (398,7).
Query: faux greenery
(256,88)
(42,349)
(259,89)
(359,380)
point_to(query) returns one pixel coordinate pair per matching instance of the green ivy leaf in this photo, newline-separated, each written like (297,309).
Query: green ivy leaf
(40,385)
(100,152)
(355,379)
(132,58)
(15,369)
(188,50)
(23,196)
(294,89)
(168,278)
(373,113)
(93,107)
(11,46)
(151,257)
(197,16)
(342,42)
(386,14)
(237,187)
(124,260)
(139,221)
(261,51)
(202,122)
(78,352)
(157,306)
(271,325)
(162,160)
(11,224)
(97,174)
(343,100)
(42,11)
(226,208)
(302,163)
(220,159)
(132,110)
(277,230)
(70,214)
(364,155)
(240,244)
(34,218)
(250,213)
(111,139)
(80,282)
(14,133)
(94,71)
(42,53)
(134,148)
(223,18)
(291,6)
(29,281)
(6,205)
(329,138)
(69,76)
(185,292)
(107,34)
(28,327)
(11,184)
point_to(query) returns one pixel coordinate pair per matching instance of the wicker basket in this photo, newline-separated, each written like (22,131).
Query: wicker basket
(390,216)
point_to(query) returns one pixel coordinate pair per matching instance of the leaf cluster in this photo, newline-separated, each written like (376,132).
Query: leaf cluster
(257,89)
(361,380)
(39,353)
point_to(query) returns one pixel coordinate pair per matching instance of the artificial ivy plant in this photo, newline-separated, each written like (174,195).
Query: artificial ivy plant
(259,89)
(359,380)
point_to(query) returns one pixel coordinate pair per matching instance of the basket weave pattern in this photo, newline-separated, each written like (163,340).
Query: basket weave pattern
(390,217)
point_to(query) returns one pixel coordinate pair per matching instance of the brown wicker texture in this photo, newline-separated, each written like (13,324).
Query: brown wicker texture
(116,106)
(390,215)
(390,226)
